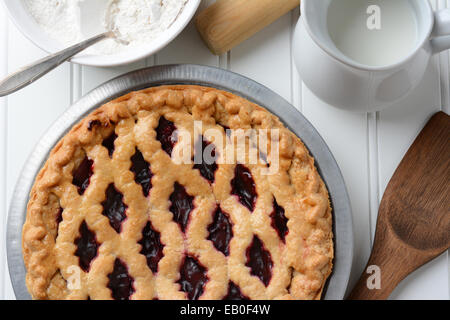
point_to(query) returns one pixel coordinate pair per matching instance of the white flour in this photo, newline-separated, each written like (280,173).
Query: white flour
(138,21)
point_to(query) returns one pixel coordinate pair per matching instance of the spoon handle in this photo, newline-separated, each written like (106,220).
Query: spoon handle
(27,75)
(387,266)
(390,262)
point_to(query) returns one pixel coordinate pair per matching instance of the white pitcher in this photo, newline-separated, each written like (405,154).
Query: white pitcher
(347,84)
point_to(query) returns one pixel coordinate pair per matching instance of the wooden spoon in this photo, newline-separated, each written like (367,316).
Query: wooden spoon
(414,217)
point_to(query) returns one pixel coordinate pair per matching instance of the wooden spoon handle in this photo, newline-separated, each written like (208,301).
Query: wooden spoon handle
(382,274)
(227,23)
(390,262)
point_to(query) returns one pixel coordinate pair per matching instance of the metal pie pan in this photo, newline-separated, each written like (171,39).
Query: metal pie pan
(205,76)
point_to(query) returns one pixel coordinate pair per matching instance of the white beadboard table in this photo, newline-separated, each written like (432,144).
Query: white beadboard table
(368,147)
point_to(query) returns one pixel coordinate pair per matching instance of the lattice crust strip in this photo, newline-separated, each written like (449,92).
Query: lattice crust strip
(111,206)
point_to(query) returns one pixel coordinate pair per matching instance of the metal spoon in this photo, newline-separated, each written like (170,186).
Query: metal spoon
(27,75)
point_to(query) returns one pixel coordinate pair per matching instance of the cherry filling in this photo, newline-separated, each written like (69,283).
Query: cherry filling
(182,205)
(93,123)
(243,186)
(142,172)
(120,282)
(205,159)
(259,261)
(226,129)
(87,247)
(192,277)
(59,217)
(279,220)
(166,134)
(234,293)
(221,232)
(108,143)
(152,248)
(114,208)
(82,175)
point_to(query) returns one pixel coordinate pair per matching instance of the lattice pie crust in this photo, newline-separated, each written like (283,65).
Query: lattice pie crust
(112,208)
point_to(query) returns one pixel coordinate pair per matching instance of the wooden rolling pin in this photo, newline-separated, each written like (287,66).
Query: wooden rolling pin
(226,23)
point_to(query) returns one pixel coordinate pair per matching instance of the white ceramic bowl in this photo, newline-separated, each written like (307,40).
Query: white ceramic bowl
(27,25)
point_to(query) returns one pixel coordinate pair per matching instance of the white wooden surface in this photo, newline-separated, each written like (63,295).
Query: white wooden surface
(368,147)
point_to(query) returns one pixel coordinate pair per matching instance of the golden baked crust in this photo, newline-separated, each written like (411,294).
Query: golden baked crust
(301,264)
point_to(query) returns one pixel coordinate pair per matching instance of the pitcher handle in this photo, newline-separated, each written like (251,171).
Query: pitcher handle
(441,31)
